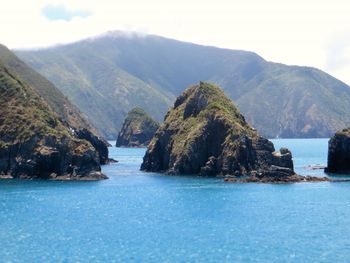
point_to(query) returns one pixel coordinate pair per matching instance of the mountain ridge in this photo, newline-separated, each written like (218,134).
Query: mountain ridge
(125,71)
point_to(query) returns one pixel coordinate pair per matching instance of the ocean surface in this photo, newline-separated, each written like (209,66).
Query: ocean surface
(145,217)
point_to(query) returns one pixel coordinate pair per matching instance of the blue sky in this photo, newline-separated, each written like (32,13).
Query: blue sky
(60,12)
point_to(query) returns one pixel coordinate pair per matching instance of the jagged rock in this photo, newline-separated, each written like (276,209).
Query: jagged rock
(34,142)
(137,130)
(204,133)
(339,153)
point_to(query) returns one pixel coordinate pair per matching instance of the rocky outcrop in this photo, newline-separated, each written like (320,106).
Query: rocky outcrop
(50,158)
(137,130)
(99,144)
(339,153)
(204,133)
(34,142)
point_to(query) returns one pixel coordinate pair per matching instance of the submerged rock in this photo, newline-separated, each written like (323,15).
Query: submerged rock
(204,133)
(339,153)
(34,142)
(137,130)
(276,174)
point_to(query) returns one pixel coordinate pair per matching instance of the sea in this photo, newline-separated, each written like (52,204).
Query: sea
(148,217)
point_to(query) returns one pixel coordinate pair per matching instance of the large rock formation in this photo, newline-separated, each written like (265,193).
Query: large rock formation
(34,142)
(204,133)
(339,153)
(137,130)
(68,114)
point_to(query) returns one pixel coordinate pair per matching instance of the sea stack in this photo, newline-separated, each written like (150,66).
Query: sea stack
(34,142)
(339,153)
(137,130)
(205,134)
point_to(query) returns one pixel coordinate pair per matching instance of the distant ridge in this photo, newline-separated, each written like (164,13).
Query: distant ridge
(108,75)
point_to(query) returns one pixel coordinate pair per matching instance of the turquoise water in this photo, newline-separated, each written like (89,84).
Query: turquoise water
(140,217)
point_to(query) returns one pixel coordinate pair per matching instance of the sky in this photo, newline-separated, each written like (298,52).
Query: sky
(296,32)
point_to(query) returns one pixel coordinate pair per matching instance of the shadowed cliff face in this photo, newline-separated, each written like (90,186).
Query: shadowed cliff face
(34,143)
(339,153)
(204,133)
(137,130)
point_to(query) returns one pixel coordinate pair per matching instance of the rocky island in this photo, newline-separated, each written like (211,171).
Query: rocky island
(35,142)
(339,153)
(205,134)
(137,130)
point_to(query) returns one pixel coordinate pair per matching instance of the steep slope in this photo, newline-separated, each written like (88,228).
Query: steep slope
(204,133)
(65,110)
(34,143)
(121,71)
(101,89)
(137,130)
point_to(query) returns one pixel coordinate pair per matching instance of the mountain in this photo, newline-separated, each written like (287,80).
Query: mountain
(34,143)
(108,75)
(137,130)
(66,111)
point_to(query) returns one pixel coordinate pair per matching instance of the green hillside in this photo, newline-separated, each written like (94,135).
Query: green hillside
(67,113)
(108,75)
(34,143)
(53,96)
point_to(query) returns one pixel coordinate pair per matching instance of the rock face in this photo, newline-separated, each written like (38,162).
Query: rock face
(34,142)
(68,114)
(99,144)
(137,130)
(339,153)
(204,133)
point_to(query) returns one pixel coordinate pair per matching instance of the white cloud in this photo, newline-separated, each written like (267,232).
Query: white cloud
(288,31)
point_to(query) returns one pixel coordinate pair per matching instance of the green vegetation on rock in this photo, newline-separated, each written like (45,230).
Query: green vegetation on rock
(34,143)
(68,114)
(137,130)
(204,133)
